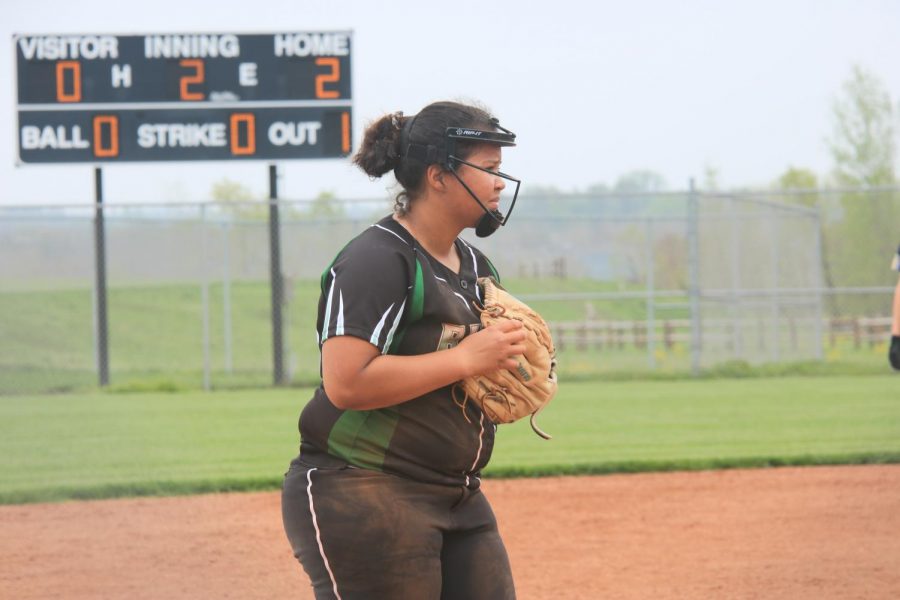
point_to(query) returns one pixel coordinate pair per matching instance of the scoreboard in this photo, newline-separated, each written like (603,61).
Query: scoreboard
(177,97)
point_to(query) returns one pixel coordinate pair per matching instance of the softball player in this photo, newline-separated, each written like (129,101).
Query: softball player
(384,500)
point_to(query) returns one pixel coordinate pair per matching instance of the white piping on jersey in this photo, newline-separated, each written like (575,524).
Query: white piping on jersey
(390,335)
(464,301)
(391,232)
(339,330)
(480,443)
(474,268)
(460,296)
(377,333)
(327,322)
(315,521)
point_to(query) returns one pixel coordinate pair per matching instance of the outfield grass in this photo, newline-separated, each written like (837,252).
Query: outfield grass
(107,444)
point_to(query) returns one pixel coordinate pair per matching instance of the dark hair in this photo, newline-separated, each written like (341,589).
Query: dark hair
(383,150)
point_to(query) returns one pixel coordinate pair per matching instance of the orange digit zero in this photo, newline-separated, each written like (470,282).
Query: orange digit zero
(249,121)
(112,122)
(74,67)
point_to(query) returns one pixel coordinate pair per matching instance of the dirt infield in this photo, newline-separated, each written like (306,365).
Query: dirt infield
(798,533)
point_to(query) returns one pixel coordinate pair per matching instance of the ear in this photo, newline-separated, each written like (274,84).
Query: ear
(434,177)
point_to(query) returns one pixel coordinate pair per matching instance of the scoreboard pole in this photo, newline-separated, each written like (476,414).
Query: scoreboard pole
(277,281)
(100,317)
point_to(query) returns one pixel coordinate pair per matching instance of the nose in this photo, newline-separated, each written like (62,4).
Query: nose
(499,183)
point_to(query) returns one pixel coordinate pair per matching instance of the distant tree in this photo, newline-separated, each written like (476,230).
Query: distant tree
(325,205)
(640,180)
(538,189)
(799,179)
(226,190)
(863,143)
(637,188)
(711,178)
(537,199)
(864,149)
(238,199)
(597,188)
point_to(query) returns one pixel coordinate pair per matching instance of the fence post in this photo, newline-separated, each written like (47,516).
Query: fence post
(736,308)
(101,332)
(651,304)
(820,287)
(693,234)
(775,298)
(226,294)
(204,298)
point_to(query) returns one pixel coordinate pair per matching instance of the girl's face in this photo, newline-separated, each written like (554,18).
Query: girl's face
(486,186)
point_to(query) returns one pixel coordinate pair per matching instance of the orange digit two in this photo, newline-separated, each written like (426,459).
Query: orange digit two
(68,93)
(332,76)
(106,136)
(243,144)
(197,78)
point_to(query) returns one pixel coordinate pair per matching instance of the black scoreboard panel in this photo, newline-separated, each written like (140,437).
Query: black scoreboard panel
(174,97)
(180,134)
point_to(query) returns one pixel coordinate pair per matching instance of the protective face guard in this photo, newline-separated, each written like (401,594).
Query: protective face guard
(492,219)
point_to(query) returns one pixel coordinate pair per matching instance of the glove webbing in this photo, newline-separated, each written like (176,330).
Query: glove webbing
(499,396)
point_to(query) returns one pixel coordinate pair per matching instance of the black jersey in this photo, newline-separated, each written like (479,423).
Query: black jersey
(383,287)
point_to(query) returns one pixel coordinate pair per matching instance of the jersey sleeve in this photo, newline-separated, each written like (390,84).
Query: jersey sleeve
(364,292)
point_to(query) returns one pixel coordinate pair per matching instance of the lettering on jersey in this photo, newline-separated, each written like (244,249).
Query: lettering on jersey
(452,335)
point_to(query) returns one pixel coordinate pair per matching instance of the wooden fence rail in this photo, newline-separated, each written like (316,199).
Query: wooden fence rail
(599,334)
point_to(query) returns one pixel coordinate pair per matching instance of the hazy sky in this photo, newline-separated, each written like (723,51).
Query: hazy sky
(593,90)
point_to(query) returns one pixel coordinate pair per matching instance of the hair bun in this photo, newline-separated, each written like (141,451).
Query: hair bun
(380,148)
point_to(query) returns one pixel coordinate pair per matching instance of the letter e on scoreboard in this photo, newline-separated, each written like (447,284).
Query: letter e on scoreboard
(106,136)
(243,134)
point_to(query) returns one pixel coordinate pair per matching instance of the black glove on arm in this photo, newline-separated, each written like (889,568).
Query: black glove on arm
(894,352)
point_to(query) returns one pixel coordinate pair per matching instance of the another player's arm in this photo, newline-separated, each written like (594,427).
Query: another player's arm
(357,376)
(895,325)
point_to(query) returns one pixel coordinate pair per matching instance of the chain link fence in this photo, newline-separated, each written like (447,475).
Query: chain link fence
(636,283)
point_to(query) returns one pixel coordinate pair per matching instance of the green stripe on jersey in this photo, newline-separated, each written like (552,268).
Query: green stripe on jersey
(418,294)
(415,308)
(493,268)
(328,268)
(361,437)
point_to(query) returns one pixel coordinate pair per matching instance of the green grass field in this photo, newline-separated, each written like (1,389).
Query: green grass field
(55,447)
